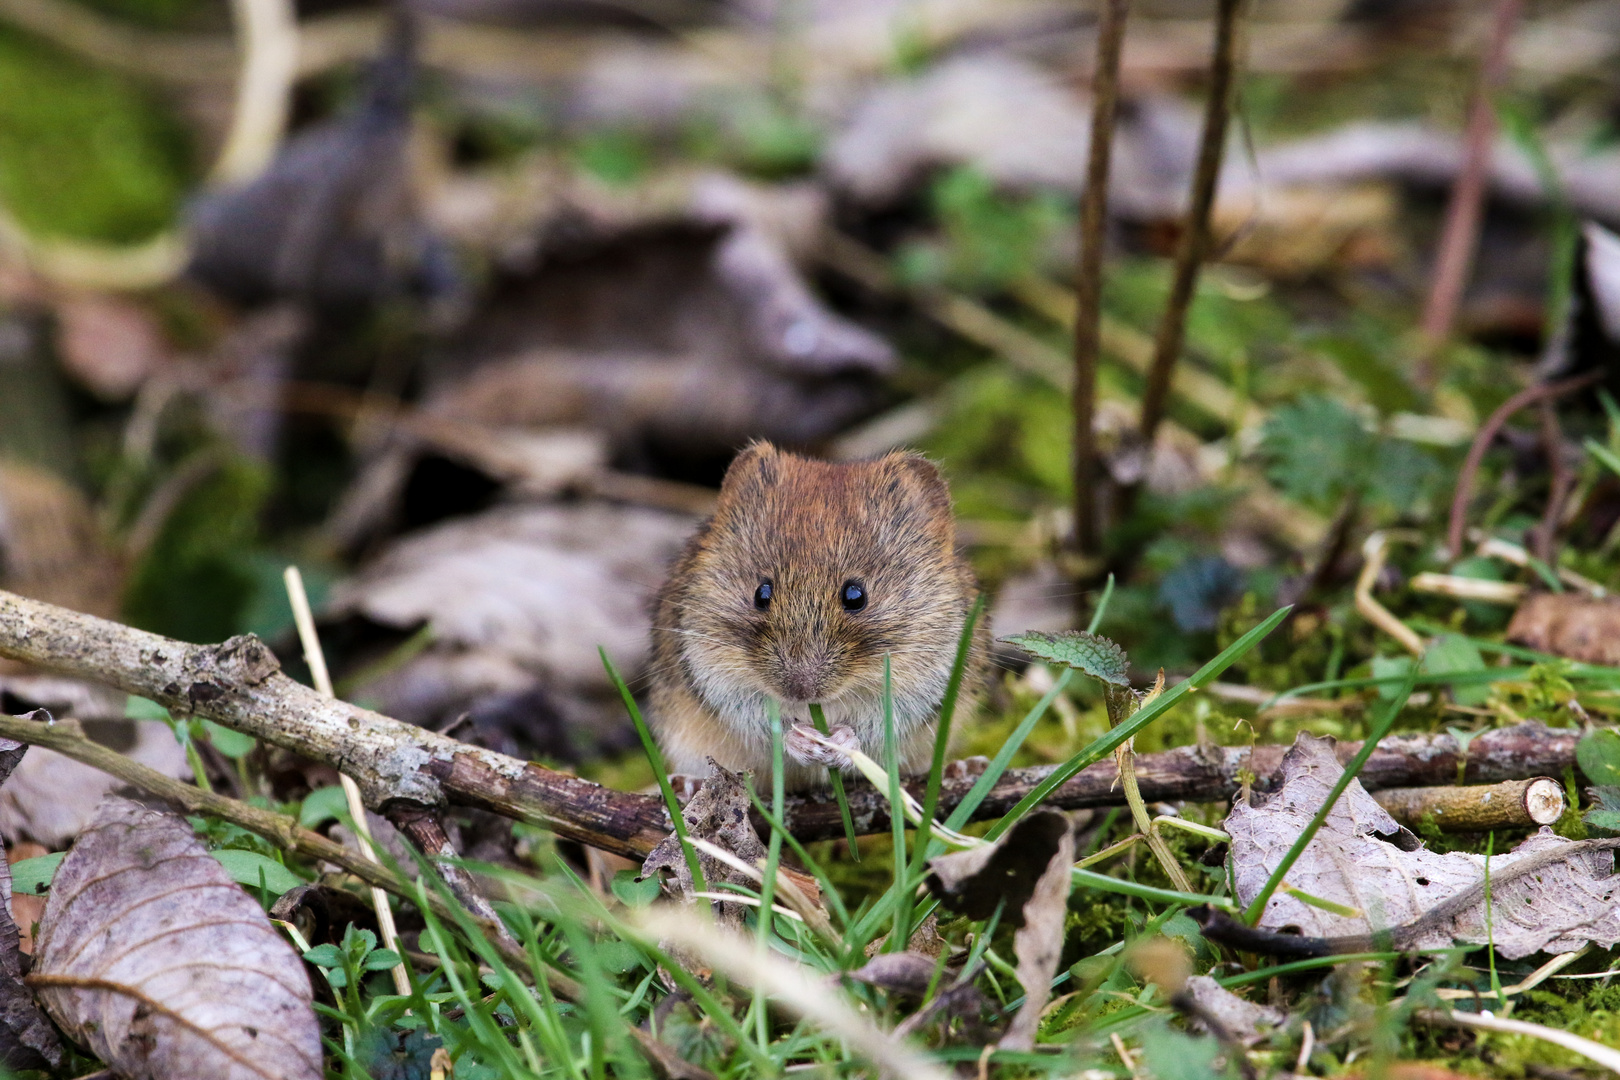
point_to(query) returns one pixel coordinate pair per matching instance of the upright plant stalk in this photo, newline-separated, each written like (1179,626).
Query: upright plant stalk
(1459,236)
(897,818)
(1088,278)
(1125,757)
(1194,245)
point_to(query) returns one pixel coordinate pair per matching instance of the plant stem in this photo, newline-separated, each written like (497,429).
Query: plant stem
(1460,234)
(1194,245)
(1088,278)
(1125,755)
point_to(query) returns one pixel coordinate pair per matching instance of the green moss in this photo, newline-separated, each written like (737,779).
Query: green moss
(84,154)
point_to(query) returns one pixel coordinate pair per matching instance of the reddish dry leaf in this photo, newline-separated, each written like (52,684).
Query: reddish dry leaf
(1569,624)
(156,961)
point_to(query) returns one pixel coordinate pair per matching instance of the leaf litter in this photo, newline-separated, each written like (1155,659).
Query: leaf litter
(1548,894)
(150,956)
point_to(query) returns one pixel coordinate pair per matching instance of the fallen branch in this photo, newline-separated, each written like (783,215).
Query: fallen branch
(239,684)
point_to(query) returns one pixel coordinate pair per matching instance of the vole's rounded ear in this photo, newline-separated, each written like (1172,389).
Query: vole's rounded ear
(756,465)
(922,480)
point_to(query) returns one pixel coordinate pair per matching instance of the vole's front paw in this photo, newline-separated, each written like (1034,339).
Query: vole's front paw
(807,746)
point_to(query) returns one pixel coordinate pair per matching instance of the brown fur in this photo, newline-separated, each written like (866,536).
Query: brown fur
(808,527)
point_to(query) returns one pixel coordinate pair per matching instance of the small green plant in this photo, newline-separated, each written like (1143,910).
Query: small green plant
(1598,754)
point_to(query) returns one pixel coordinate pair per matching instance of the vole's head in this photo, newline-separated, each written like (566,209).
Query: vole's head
(810,572)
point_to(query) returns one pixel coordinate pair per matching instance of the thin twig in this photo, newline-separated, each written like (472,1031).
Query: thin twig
(1195,239)
(1487,435)
(1460,234)
(1561,480)
(1088,278)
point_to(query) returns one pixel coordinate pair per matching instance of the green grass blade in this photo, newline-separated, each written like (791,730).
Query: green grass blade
(819,719)
(1102,606)
(773,857)
(942,736)
(897,818)
(1379,729)
(660,773)
(1104,745)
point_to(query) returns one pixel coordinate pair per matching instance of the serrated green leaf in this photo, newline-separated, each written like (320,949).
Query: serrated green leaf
(1092,654)
(1598,754)
(1315,449)
(326,956)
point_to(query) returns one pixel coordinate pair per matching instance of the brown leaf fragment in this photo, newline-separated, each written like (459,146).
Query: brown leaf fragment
(906,973)
(27,1040)
(1028,873)
(718,813)
(1569,624)
(977,881)
(1540,900)
(156,961)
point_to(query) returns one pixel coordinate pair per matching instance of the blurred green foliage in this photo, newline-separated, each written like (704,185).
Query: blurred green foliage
(85,154)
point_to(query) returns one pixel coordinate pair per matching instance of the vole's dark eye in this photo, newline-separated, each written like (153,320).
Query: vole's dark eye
(762,596)
(853,594)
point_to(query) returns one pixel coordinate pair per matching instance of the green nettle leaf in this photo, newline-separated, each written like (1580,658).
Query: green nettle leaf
(633,890)
(1315,449)
(1599,757)
(1091,654)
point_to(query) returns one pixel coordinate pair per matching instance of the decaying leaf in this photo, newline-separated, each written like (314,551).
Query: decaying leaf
(51,798)
(1569,624)
(907,973)
(27,1040)
(1026,875)
(51,547)
(156,961)
(1362,859)
(718,813)
(519,598)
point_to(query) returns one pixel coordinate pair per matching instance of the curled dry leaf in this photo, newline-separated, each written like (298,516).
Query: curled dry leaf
(155,960)
(1026,874)
(1568,624)
(27,1040)
(1362,859)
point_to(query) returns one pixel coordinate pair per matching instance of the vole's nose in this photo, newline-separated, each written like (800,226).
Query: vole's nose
(803,678)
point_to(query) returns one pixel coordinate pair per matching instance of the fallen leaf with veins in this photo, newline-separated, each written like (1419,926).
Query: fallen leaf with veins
(151,957)
(1361,858)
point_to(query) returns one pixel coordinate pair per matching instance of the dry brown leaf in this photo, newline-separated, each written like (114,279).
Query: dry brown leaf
(108,344)
(1569,624)
(1361,858)
(519,598)
(51,547)
(1026,875)
(27,1040)
(162,966)
(1240,1019)
(50,798)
